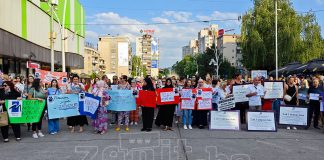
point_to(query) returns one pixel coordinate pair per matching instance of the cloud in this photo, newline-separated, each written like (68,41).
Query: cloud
(92,35)
(320,1)
(172,37)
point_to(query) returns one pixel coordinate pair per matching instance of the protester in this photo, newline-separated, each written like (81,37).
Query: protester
(37,93)
(187,113)
(256,91)
(200,116)
(54,124)
(75,88)
(147,112)
(178,89)
(134,115)
(290,95)
(215,94)
(9,93)
(165,114)
(19,85)
(101,122)
(242,106)
(123,115)
(302,94)
(314,103)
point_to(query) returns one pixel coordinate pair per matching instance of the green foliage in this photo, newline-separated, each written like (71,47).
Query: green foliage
(299,36)
(186,67)
(136,66)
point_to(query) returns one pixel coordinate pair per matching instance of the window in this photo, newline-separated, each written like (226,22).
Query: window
(233,50)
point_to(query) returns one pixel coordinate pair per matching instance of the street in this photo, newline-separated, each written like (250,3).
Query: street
(178,144)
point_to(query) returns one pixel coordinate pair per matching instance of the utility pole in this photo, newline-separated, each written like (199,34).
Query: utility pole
(276,28)
(52,38)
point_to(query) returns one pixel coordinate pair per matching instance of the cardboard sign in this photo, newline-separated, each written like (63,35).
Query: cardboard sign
(188,104)
(63,105)
(240,92)
(273,90)
(204,104)
(259,73)
(167,96)
(227,103)
(89,104)
(293,115)
(186,93)
(261,121)
(24,111)
(121,100)
(225,120)
(147,98)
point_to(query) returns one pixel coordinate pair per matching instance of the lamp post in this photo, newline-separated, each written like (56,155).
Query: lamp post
(276,30)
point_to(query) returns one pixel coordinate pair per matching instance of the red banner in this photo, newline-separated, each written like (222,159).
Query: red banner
(147,98)
(167,96)
(47,76)
(188,101)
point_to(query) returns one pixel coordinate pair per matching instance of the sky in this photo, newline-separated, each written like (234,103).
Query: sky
(172,37)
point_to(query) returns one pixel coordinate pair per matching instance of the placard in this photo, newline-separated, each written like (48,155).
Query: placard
(314,96)
(293,115)
(188,104)
(259,73)
(240,92)
(225,120)
(63,105)
(24,111)
(147,98)
(302,96)
(89,104)
(48,76)
(261,121)
(186,93)
(227,103)
(205,93)
(121,100)
(273,90)
(167,96)
(204,104)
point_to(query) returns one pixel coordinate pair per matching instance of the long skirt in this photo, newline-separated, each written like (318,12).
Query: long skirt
(101,122)
(165,115)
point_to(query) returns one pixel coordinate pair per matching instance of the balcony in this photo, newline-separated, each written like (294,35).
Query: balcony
(95,62)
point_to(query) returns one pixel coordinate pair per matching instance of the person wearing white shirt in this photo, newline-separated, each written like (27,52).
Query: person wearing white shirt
(256,91)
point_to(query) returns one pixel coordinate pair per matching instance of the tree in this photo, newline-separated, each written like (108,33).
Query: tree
(186,67)
(136,66)
(297,35)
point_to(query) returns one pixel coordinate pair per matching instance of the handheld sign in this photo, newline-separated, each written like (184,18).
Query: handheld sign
(227,103)
(167,96)
(240,92)
(261,121)
(293,115)
(24,111)
(147,98)
(63,105)
(273,90)
(225,120)
(204,104)
(121,100)
(89,105)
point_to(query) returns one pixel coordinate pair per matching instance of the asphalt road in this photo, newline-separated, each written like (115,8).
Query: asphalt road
(179,144)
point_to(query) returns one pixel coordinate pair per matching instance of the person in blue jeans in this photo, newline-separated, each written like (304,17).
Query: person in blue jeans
(53,124)
(186,114)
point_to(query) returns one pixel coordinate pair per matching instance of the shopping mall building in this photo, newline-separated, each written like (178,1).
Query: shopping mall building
(25,31)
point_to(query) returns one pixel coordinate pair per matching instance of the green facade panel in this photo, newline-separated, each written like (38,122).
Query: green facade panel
(24,19)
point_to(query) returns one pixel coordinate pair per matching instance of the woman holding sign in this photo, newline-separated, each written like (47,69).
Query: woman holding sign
(37,93)
(75,88)
(166,112)
(200,116)
(101,122)
(291,94)
(123,115)
(9,93)
(187,113)
(147,112)
(53,124)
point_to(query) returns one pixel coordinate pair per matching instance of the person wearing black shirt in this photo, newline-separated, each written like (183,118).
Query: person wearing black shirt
(147,112)
(9,93)
(314,105)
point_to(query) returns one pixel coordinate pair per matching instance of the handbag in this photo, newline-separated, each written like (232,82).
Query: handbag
(289,98)
(3,118)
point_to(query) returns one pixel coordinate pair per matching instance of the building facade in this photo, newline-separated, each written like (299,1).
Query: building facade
(229,46)
(116,52)
(93,62)
(24,34)
(147,48)
(191,49)
(206,37)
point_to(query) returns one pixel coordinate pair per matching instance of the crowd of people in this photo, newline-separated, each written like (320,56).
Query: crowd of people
(297,92)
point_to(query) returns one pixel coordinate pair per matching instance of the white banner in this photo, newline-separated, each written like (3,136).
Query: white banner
(186,93)
(167,96)
(273,90)
(261,121)
(225,120)
(123,54)
(240,92)
(293,116)
(188,104)
(227,103)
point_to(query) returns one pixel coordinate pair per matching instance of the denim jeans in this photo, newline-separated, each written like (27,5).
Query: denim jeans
(53,125)
(185,114)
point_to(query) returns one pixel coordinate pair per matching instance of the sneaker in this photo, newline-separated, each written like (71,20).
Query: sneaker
(18,139)
(131,123)
(288,128)
(135,123)
(40,134)
(294,128)
(185,127)
(52,133)
(176,122)
(6,140)
(117,129)
(189,127)
(35,135)
(127,129)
